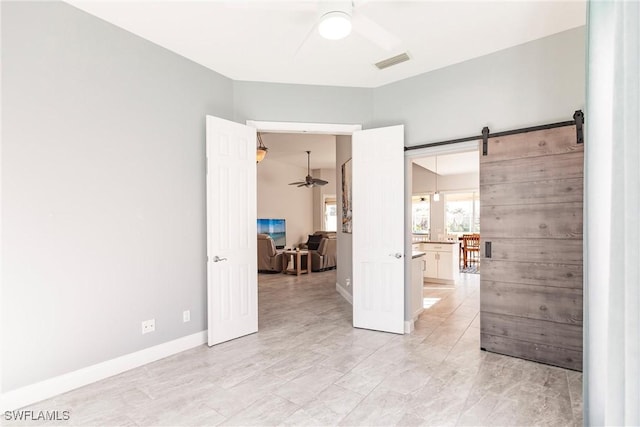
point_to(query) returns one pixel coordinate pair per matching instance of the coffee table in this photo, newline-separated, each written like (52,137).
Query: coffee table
(297,257)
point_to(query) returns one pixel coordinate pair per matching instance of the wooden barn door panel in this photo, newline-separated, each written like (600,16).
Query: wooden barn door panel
(531,195)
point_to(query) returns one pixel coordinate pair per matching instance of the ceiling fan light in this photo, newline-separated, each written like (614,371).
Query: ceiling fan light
(261,150)
(335,25)
(260,153)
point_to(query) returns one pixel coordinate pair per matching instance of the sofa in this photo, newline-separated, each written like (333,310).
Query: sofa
(269,259)
(324,256)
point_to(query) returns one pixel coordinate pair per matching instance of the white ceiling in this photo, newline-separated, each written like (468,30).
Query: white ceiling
(452,164)
(260,40)
(290,148)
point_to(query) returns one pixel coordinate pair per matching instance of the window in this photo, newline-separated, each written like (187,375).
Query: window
(462,212)
(330,214)
(421,214)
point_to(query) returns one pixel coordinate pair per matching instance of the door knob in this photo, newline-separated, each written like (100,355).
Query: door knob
(396,255)
(218,259)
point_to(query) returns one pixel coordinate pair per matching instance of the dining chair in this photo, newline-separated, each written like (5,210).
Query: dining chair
(471,248)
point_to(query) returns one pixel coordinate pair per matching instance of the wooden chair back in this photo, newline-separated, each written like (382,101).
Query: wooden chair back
(471,242)
(470,245)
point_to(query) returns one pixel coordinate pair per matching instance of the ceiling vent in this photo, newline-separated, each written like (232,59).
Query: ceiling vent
(386,63)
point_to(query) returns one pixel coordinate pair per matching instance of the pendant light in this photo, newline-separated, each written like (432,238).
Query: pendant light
(436,195)
(261,151)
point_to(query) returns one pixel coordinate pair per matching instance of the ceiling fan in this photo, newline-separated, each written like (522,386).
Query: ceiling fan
(335,20)
(332,19)
(310,181)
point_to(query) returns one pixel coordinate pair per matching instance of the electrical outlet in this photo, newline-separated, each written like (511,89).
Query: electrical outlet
(148,326)
(186,316)
(348,282)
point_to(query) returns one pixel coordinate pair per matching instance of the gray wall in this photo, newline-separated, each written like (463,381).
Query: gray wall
(103,197)
(345,242)
(535,83)
(423,180)
(302,103)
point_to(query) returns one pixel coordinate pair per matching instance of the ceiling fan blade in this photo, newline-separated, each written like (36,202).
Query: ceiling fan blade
(317,181)
(373,32)
(297,183)
(283,6)
(306,38)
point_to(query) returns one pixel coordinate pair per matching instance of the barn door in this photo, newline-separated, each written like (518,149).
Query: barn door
(531,202)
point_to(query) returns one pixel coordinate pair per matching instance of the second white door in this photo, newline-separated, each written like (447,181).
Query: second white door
(378,229)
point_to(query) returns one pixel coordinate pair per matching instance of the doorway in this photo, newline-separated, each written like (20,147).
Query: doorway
(341,135)
(287,162)
(441,207)
(381,298)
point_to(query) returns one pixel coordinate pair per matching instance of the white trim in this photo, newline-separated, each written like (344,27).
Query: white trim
(459,147)
(346,295)
(54,386)
(409,326)
(314,128)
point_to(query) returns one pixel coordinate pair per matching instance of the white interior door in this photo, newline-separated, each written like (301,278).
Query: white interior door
(232,281)
(378,229)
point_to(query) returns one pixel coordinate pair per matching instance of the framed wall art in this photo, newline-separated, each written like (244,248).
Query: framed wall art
(347,188)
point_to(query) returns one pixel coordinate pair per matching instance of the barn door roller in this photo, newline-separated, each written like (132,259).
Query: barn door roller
(485,140)
(578,116)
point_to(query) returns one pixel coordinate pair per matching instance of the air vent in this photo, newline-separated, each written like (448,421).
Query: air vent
(392,61)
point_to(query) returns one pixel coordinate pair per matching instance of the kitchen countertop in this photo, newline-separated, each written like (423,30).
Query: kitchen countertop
(417,254)
(444,242)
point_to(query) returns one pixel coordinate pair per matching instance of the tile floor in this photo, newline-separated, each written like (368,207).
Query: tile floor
(308,366)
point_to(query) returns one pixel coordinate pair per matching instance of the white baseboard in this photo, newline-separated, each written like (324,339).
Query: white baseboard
(346,295)
(37,392)
(409,326)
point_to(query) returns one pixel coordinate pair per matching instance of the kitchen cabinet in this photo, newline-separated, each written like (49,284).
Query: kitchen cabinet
(442,262)
(417,282)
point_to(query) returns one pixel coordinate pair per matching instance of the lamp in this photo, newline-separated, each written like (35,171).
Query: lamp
(261,151)
(335,25)
(436,195)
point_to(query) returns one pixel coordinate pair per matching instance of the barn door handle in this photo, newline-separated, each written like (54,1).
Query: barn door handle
(487,249)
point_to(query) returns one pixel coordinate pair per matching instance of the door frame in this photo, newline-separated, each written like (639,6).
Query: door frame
(312,128)
(409,156)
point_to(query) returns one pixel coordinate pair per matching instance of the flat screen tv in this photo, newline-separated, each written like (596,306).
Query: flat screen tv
(276,228)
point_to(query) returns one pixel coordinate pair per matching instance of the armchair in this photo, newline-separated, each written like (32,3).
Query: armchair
(325,257)
(269,260)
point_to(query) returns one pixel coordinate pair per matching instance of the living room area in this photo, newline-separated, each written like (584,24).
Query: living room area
(297,207)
